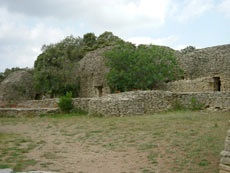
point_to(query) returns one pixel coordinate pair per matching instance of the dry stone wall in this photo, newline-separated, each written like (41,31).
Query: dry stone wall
(225,156)
(197,85)
(140,102)
(207,62)
(203,84)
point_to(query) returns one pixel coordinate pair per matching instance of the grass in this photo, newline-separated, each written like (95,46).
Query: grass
(184,141)
(12,151)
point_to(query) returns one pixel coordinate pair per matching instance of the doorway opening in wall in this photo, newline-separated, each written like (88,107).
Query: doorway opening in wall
(217,83)
(99,90)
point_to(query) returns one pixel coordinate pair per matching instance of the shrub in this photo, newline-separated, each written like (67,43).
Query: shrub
(66,102)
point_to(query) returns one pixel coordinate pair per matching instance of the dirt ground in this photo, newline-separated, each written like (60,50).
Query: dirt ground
(181,142)
(56,150)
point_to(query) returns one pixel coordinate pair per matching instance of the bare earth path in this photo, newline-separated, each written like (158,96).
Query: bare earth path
(161,143)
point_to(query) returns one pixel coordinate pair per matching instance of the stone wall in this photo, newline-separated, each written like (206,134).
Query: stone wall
(46,103)
(142,102)
(92,71)
(225,156)
(200,67)
(211,61)
(204,84)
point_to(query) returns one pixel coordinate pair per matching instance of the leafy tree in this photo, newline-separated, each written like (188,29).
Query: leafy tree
(55,67)
(141,67)
(89,41)
(107,39)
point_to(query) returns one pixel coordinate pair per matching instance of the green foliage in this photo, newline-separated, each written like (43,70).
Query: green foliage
(89,41)
(66,102)
(141,67)
(107,39)
(55,69)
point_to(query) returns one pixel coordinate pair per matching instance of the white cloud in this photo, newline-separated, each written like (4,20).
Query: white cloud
(191,9)
(225,7)
(156,41)
(20,41)
(103,13)
(26,25)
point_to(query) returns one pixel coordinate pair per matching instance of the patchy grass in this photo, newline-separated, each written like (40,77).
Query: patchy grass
(12,151)
(173,142)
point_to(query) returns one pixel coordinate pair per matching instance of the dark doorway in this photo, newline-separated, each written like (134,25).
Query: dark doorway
(217,83)
(99,90)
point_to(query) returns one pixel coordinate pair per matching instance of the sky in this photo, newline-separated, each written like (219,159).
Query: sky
(26,25)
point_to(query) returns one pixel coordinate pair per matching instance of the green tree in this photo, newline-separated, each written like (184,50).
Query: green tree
(89,41)
(55,67)
(141,67)
(107,39)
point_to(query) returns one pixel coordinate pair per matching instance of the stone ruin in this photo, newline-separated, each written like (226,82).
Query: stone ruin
(16,87)
(205,70)
(206,78)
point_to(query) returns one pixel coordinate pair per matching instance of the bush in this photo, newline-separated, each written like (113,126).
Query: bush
(66,102)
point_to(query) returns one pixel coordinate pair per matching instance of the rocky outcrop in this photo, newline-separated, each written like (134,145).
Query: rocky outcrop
(16,87)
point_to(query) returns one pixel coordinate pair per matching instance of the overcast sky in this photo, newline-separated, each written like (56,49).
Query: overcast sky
(25,25)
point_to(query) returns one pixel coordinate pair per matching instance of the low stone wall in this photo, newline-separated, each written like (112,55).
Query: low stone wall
(225,156)
(210,100)
(82,103)
(132,103)
(204,84)
(46,103)
(196,85)
(25,112)
(142,102)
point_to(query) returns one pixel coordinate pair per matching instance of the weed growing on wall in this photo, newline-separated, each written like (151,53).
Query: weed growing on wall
(195,104)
